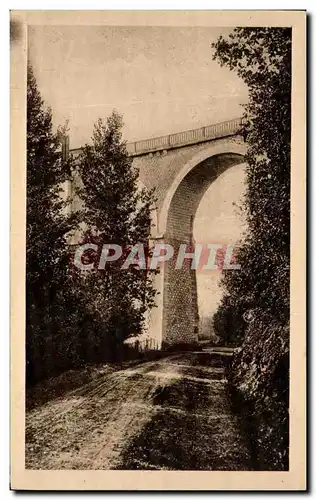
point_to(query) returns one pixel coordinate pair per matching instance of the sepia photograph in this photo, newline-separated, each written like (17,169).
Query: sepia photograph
(163,186)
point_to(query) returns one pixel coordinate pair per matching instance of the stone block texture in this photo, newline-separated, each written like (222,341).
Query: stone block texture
(201,163)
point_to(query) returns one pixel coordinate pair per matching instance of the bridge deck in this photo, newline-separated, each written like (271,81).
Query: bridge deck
(180,139)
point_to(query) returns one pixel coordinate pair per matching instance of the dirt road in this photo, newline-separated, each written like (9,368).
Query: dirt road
(173,414)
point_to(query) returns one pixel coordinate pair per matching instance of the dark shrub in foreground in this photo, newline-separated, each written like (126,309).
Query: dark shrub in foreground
(259,376)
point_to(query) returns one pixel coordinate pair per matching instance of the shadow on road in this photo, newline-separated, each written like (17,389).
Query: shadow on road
(193,429)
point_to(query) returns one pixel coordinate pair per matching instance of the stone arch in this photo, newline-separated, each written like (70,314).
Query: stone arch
(179,291)
(211,150)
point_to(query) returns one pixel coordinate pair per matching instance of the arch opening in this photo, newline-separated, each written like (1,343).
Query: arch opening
(181,319)
(220,221)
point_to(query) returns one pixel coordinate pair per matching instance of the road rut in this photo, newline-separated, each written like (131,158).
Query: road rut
(172,414)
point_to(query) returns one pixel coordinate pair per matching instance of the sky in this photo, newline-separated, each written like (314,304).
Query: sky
(219,220)
(163,80)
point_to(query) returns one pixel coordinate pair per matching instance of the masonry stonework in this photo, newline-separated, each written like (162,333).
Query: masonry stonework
(181,168)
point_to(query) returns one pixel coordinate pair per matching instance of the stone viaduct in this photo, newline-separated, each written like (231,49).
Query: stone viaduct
(181,167)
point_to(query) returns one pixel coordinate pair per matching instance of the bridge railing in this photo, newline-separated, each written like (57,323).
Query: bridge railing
(201,134)
(215,131)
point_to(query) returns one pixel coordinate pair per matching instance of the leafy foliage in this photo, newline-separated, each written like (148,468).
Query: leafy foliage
(259,375)
(47,280)
(228,322)
(116,211)
(73,319)
(262,58)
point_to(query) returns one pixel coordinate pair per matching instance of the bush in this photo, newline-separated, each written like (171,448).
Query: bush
(259,374)
(228,324)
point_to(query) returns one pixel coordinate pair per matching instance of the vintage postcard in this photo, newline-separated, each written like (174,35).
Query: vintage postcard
(158,242)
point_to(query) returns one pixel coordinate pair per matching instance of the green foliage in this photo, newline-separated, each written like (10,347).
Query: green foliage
(260,377)
(45,175)
(48,288)
(262,58)
(116,211)
(228,323)
(73,319)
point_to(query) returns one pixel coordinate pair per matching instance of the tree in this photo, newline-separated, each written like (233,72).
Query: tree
(116,211)
(260,370)
(228,322)
(262,58)
(46,228)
